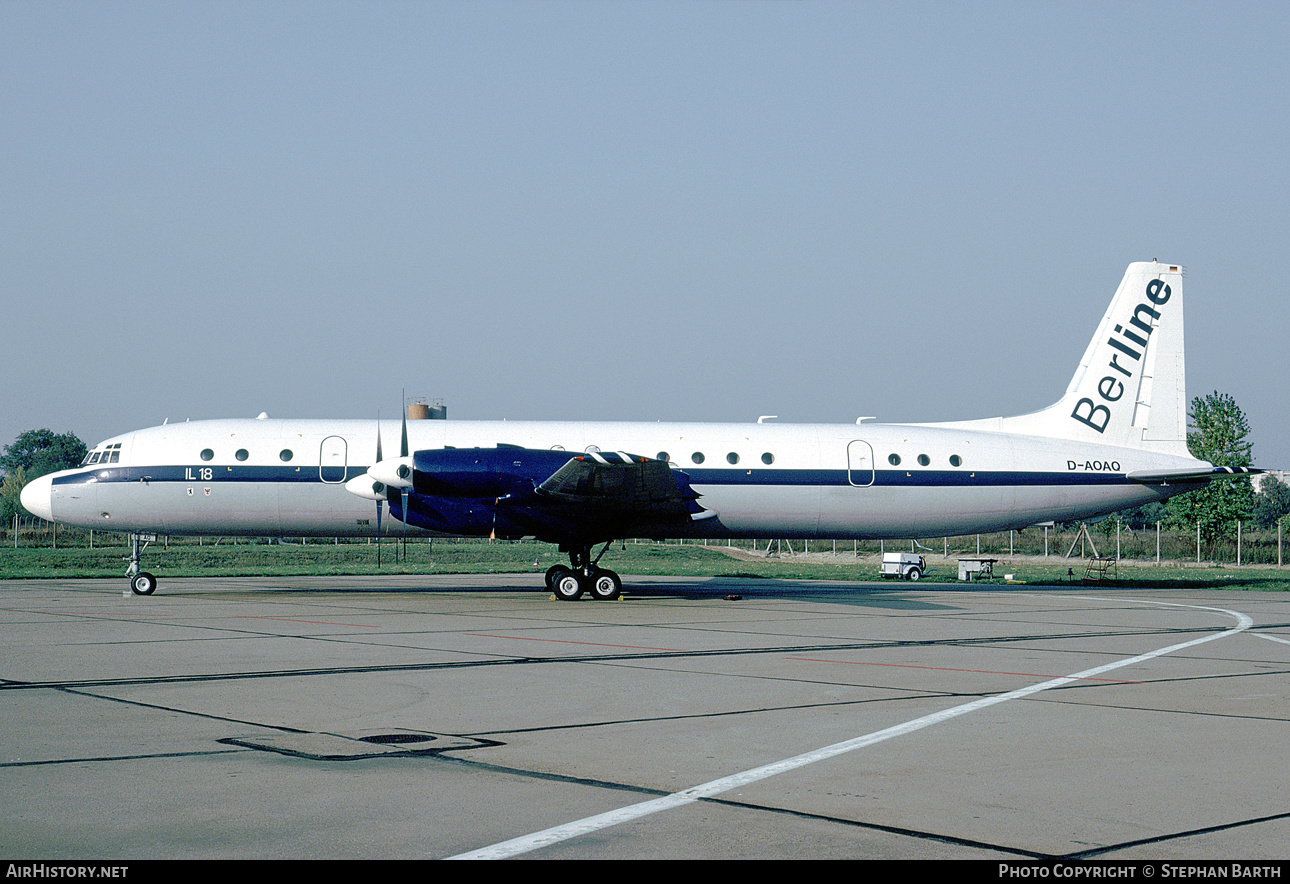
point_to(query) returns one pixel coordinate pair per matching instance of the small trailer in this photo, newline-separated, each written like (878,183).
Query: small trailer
(907,565)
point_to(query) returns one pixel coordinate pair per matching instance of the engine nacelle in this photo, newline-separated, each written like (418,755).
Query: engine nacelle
(483,472)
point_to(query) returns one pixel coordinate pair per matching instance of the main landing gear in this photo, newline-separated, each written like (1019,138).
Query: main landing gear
(141,582)
(582,575)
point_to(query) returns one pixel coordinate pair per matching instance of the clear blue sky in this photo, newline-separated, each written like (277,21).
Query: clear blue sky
(620,210)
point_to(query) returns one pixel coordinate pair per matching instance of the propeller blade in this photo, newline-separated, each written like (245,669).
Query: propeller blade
(405,523)
(403,452)
(403,445)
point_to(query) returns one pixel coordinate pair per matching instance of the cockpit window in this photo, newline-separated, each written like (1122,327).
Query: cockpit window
(110,454)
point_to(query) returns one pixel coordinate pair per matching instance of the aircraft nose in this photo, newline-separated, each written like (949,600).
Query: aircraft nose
(38,497)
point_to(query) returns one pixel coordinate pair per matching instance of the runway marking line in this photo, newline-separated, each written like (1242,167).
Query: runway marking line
(556,834)
(100,614)
(565,641)
(235,616)
(315,622)
(950,669)
(1272,638)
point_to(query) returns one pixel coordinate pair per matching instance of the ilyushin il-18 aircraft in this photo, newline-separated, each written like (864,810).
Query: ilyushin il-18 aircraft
(1116,439)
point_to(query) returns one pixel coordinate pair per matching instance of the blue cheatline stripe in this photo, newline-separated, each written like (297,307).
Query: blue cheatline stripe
(219,473)
(903,478)
(724,477)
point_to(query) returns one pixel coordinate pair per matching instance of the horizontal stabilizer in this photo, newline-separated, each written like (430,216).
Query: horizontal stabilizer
(1200,474)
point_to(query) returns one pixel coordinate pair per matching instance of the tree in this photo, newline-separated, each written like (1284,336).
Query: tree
(38,452)
(10,491)
(1272,502)
(1143,517)
(34,453)
(1217,434)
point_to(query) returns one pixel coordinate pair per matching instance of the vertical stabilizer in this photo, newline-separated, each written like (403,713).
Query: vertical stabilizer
(1130,388)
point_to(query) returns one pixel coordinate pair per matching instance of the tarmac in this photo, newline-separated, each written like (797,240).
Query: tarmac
(423,717)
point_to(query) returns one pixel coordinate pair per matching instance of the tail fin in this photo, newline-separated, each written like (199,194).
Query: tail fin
(1130,387)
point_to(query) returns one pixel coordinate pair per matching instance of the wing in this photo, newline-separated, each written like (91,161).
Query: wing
(510,491)
(620,483)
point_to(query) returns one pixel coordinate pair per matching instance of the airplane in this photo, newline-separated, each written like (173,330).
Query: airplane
(1116,439)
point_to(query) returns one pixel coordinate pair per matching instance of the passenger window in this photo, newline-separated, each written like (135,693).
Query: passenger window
(241,454)
(732,458)
(768,458)
(893,459)
(697,457)
(285,454)
(664,456)
(955,460)
(207,454)
(923,460)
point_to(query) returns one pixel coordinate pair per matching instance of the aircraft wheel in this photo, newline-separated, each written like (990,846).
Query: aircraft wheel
(606,586)
(914,573)
(143,583)
(568,586)
(552,573)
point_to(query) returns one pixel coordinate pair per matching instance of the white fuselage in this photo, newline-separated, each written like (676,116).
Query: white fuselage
(287,477)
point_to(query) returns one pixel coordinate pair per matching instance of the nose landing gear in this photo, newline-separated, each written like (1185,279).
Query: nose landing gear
(141,582)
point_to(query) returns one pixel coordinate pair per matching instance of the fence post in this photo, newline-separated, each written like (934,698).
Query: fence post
(1198,541)
(1238,543)
(1157,543)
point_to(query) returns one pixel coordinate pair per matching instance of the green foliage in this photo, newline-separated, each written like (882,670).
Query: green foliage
(1142,517)
(34,453)
(1218,431)
(37,452)
(1272,502)
(1218,434)
(10,491)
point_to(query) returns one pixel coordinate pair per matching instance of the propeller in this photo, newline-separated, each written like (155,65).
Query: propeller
(381,477)
(380,501)
(403,489)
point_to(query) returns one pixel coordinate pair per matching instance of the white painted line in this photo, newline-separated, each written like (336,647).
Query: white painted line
(1272,638)
(556,834)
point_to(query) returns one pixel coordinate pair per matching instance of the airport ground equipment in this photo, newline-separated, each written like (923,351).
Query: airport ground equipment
(906,565)
(1097,569)
(976,569)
